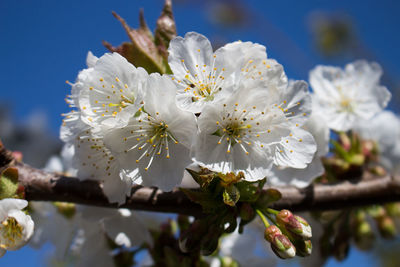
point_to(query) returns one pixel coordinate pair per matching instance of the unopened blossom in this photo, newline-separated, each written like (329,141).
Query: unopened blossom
(242,248)
(345,96)
(110,91)
(255,128)
(204,76)
(16,228)
(317,126)
(158,141)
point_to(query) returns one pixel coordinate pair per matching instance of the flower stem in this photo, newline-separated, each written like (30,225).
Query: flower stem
(265,221)
(272,211)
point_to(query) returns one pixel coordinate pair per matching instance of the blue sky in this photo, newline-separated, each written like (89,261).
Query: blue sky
(44,43)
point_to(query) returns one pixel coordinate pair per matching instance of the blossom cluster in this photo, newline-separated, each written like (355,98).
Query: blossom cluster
(229,110)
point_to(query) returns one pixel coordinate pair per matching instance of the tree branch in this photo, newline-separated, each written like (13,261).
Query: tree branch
(43,186)
(40,185)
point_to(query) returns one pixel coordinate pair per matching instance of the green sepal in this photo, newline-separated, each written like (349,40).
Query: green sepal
(204,180)
(340,151)
(231,195)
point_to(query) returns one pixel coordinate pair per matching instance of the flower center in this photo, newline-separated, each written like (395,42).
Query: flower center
(346,104)
(153,137)
(205,83)
(10,232)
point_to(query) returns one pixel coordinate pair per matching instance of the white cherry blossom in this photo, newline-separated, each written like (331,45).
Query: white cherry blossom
(16,228)
(158,141)
(345,96)
(255,128)
(110,91)
(205,76)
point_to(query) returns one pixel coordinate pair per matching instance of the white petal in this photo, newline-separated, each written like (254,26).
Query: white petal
(194,49)
(294,151)
(8,204)
(91,59)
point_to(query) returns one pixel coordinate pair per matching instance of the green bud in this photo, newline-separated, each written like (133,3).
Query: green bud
(68,210)
(357,159)
(387,227)
(228,262)
(393,209)
(364,236)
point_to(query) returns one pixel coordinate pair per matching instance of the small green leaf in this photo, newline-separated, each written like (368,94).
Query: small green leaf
(267,197)
(205,199)
(8,183)
(248,192)
(231,195)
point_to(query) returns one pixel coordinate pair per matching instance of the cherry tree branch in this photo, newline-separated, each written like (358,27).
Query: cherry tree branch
(43,186)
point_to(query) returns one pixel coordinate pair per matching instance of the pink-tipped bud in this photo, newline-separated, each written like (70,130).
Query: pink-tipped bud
(294,224)
(282,247)
(17,155)
(271,232)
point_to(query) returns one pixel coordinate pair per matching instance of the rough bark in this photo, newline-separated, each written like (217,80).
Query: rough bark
(43,186)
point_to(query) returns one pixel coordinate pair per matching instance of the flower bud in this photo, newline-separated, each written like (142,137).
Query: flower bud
(280,243)
(246,212)
(386,227)
(345,141)
(68,210)
(294,224)
(393,209)
(303,248)
(282,247)
(270,232)
(364,236)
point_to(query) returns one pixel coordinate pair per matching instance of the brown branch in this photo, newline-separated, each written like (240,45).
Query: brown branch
(40,185)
